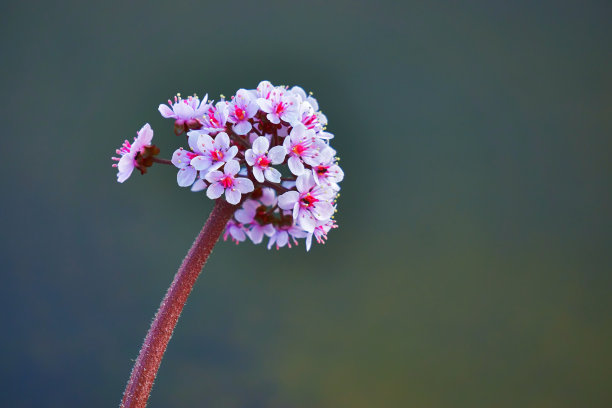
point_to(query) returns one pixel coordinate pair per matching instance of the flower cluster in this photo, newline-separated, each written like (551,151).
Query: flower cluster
(265,149)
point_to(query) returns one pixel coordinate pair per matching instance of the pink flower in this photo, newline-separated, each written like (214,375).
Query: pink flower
(279,105)
(282,235)
(186,112)
(216,117)
(260,159)
(328,172)
(227,182)
(241,109)
(310,203)
(320,232)
(302,147)
(213,153)
(248,215)
(182,160)
(128,153)
(234,230)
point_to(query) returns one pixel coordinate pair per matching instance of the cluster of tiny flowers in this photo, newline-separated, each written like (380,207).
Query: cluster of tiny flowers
(265,149)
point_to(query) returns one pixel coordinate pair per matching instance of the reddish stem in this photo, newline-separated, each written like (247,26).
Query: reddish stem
(145,369)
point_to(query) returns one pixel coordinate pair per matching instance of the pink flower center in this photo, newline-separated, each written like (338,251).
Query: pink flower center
(280,108)
(308,200)
(263,162)
(321,170)
(239,113)
(227,181)
(298,149)
(216,155)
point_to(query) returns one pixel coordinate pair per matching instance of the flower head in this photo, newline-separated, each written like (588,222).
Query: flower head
(128,153)
(187,113)
(227,182)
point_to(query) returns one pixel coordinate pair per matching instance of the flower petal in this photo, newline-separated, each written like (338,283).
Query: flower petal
(165,111)
(201,163)
(231,167)
(260,145)
(288,199)
(243,127)
(244,185)
(271,174)
(186,176)
(214,191)
(295,165)
(259,176)
(232,195)
(277,154)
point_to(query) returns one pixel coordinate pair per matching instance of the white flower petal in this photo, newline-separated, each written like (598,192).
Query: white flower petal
(244,185)
(260,145)
(287,200)
(277,154)
(271,174)
(232,195)
(186,176)
(214,191)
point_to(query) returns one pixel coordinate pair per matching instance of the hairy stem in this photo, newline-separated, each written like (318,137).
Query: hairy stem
(145,369)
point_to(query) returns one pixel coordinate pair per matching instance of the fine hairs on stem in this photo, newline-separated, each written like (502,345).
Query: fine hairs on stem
(149,359)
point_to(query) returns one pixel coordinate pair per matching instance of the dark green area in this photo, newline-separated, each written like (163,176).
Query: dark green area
(472,266)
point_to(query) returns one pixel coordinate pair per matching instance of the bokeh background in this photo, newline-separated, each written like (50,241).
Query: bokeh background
(472,266)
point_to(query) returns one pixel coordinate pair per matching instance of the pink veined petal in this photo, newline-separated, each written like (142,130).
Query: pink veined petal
(307,221)
(259,176)
(282,238)
(308,241)
(145,135)
(287,200)
(201,163)
(260,145)
(265,105)
(231,167)
(271,174)
(272,240)
(199,185)
(243,127)
(323,210)
(296,210)
(256,234)
(268,197)
(214,176)
(251,109)
(249,157)
(243,216)
(126,164)
(244,185)
(124,175)
(232,195)
(165,111)
(214,191)
(295,165)
(186,176)
(238,234)
(297,132)
(183,110)
(180,158)
(205,142)
(231,153)
(268,230)
(222,141)
(303,183)
(273,118)
(192,140)
(277,154)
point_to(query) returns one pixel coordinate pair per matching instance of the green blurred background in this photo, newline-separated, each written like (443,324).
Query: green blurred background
(472,266)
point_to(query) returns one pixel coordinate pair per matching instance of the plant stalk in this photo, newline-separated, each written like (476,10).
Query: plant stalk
(145,369)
